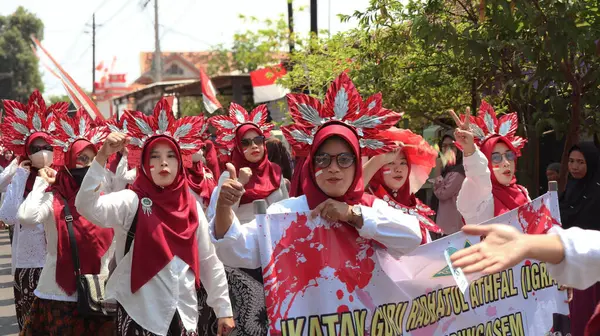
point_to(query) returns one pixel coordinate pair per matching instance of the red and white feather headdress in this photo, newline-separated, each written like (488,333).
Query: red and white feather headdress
(342,103)
(419,153)
(486,125)
(183,131)
(69,130)
(238,116)
(21,121)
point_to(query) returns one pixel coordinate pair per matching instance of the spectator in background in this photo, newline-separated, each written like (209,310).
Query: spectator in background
(553,171)
(579,205)
(278,154)
(447,185)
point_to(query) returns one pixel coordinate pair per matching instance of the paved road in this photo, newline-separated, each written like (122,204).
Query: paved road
(8,320)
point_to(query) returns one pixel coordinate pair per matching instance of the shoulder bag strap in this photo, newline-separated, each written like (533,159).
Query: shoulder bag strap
(130,234)
(72,240)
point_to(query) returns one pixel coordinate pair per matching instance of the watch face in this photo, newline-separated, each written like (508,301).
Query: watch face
(356,210)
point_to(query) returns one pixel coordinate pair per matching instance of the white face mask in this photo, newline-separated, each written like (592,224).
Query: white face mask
(41,159)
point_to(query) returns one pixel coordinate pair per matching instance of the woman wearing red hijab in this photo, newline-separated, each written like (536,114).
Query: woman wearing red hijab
(398,175)
(490,187)
(245,135)
(333,183)
(160,268)
(35,152)
(54,311)
(201,178)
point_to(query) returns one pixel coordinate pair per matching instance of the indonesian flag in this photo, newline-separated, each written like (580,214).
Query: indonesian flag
(263,84)
(209,94)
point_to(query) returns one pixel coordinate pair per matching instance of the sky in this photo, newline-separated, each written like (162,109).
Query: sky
(125,28)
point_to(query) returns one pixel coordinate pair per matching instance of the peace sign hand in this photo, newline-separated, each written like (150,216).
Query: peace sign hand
(464,136)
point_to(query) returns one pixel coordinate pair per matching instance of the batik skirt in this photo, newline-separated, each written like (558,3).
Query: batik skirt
(26,280)
(61,318)
(126,326)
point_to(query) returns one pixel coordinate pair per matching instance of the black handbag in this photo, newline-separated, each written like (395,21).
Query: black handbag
(90,287)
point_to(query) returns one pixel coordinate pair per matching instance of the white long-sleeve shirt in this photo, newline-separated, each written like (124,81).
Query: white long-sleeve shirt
(398,232)
(580,268)
(244,212)
(7,174)
(475,200)
(173,288)
(121,177)
(29,242)
(38,208)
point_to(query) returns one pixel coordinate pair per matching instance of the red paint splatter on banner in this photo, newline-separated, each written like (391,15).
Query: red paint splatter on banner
(300,256)
(527,262)
(343,309)
(340,294)
(534,221)
(351,298)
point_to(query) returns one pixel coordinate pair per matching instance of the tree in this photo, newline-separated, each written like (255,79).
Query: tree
(261,45)
(19,74)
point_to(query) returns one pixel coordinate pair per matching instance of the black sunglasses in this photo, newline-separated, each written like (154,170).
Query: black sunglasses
(497,157)
(35,149)
(344,160)
(259,140)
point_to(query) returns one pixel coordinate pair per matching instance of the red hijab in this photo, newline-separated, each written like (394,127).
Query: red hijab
(33,171)
(296,183)
(92,241)
(403,195)
(356,193)
(113,162)
(169,229)
(506,198)
(202,185)
(266,176)
(212,161)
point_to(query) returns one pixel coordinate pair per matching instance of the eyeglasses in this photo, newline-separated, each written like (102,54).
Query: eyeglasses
(344,160)
(35,149)
(497,157)
(84,159)
(259,140)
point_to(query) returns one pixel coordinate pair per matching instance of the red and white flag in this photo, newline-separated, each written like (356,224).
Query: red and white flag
(264,86)
(209,94)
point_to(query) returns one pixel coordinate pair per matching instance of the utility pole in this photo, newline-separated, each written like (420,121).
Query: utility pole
(157,53)
(93,54)
(313,17)
(290,6)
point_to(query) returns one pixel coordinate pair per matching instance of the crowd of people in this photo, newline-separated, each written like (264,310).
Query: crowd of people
(146,226)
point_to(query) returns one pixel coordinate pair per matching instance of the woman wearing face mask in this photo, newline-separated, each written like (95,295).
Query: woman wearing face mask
(333,185)
(490,187)
(29,243)
(447,185)
(244,135)
(395,177)
(169,253)
(579,205)
(54,311)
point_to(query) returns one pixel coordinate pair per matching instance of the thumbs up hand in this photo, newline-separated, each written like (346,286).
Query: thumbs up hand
(231,190)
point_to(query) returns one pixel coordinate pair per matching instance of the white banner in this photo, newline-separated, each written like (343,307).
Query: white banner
(324,279)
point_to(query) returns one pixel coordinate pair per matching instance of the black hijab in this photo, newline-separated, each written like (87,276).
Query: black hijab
(458,166)
(580,202)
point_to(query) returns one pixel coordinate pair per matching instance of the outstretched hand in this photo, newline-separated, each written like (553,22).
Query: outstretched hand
(504,247)
(463,135)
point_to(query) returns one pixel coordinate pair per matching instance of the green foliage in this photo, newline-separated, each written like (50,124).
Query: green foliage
(56,99)
(19,74)
(262,44)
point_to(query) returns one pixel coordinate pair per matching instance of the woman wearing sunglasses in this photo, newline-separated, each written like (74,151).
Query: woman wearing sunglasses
(396,176)
(333,190)
(490,187)
(243,134)
(35,153)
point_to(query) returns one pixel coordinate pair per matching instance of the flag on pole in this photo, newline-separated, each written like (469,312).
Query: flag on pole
(77,95)
(209,94)
(264,86)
